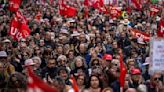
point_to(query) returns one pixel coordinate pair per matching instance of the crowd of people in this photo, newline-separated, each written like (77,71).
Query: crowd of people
(87,48)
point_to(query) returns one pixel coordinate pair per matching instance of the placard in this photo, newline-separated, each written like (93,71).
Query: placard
(157,54)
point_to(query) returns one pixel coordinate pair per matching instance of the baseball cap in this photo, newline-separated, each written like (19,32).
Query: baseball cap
(107,57)
(135,71)
(3,54)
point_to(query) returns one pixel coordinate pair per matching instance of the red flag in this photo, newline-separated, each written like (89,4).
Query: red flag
(14,5)
(95,4)
(19,28)
(160,32)
(13,28)
(66,10)
(115,12)
(74,84)
(122,71)
(138,34)
(61,7)
(101,2)
(35,84)
(70,11)
(20,32)
(153,10)
(129,10)
(86,2)
(137,4)
(20,17)
(24,29)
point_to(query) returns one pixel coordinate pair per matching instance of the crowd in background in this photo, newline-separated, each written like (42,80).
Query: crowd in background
(87,48)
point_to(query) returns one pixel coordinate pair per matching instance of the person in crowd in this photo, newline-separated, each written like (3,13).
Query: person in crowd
(79,66)
(50,70)
(94,84)
(136,78)
(8,68)
(155,83)
(86,46)
(17,83)
(37,68)
(81,81)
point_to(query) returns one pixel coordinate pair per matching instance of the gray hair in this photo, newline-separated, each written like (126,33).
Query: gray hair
(75,59)
(61,57)
(37,58)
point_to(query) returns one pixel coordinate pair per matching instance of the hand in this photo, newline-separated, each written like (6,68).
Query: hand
(92,51)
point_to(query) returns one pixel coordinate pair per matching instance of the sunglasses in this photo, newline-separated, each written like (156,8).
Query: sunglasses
(115,64)
(3,57)
(156,79)
(23,41)
(95,64)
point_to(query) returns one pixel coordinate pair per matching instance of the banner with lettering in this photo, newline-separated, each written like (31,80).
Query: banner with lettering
(18,27)
(138,34)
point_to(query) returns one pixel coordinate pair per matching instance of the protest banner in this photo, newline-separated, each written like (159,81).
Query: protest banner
(157,54)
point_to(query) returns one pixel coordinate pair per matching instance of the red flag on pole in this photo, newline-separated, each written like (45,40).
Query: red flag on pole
(14,5)
(160,31)
(137,4)
(66,10)
(35,84)
(153,10)
(122,72)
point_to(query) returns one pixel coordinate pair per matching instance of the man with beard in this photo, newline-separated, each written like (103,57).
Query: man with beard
(50,70)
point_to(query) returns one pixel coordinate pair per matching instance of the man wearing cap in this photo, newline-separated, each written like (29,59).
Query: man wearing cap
(27,63)
(107,58)
(136,78)
(8,68)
